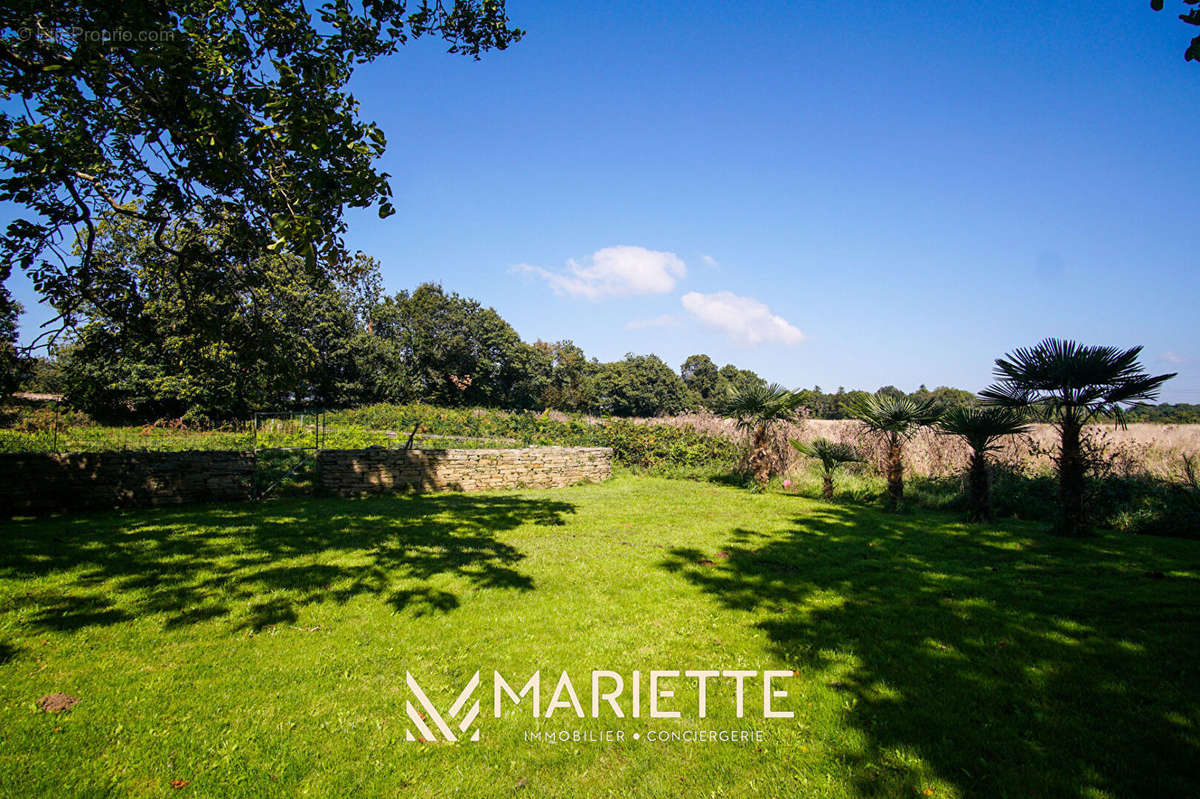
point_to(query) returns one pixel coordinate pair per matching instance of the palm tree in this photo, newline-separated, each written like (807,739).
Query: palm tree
(981,428)
(757,409)
(1068,384)
(896,418)
(831,455)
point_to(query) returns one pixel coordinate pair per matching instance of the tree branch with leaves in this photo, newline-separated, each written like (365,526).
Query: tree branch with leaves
(190,114)
(1192,17)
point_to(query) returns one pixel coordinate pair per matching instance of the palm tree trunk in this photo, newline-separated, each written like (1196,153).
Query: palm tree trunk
(895,474)
(828,486)
(760,461)
(1072,520)
(979,506)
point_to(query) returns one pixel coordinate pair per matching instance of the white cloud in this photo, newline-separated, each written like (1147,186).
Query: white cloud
(666,320)
(614,272)
(708,259)
(746,321)
(1175,357)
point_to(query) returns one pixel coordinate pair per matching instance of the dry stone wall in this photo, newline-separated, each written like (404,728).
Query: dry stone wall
(50,482)
(377,470)
(34,483)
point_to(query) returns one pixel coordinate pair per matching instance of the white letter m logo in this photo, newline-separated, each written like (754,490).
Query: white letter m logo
(423,729)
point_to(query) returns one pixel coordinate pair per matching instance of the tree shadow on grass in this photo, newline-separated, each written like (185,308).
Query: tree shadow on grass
(1010,663)
(198,564)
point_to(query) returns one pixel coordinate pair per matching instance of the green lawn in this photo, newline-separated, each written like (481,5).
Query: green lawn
(261,650)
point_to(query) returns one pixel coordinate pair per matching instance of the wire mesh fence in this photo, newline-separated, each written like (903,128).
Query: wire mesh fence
(287,430)
(285,445)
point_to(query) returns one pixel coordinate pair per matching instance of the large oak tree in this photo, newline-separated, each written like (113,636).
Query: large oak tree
(189,114)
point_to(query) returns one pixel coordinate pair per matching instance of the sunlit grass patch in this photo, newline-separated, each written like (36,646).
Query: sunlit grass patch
(260,650)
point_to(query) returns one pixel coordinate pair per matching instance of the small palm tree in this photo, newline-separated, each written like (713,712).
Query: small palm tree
(981,428)
(757,409)
(1068,384)
(831,455)
(896,418)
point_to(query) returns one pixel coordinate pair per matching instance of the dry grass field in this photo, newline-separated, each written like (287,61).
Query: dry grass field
(1155,450)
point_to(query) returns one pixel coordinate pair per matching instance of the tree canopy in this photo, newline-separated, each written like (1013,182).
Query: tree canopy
(195,114)
(639,385)
(700,375)
(211,344)
(439,347)
(1192,17)
(1068,382)
(567,386)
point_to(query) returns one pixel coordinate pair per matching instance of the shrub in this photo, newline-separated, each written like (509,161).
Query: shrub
(41,419)
(656,446)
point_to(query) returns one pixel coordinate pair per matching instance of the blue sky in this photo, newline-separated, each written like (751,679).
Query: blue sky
(827,193)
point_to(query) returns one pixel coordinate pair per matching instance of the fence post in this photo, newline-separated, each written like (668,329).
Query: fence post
(316,489)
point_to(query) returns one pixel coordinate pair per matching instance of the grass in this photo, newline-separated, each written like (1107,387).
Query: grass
(260,650)
(102,438)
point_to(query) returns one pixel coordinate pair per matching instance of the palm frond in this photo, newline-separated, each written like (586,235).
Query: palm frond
(1062,378)
(889,413)
(831,454)
(981,427)
(762,404)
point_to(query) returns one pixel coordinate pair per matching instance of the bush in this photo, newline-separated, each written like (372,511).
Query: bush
(25,418)
(1019,494)
(1160,508)
(654,446)
(937,493)
(1141,504)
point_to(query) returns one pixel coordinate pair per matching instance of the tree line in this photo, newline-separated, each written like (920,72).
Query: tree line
(208,345)
(205,345)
